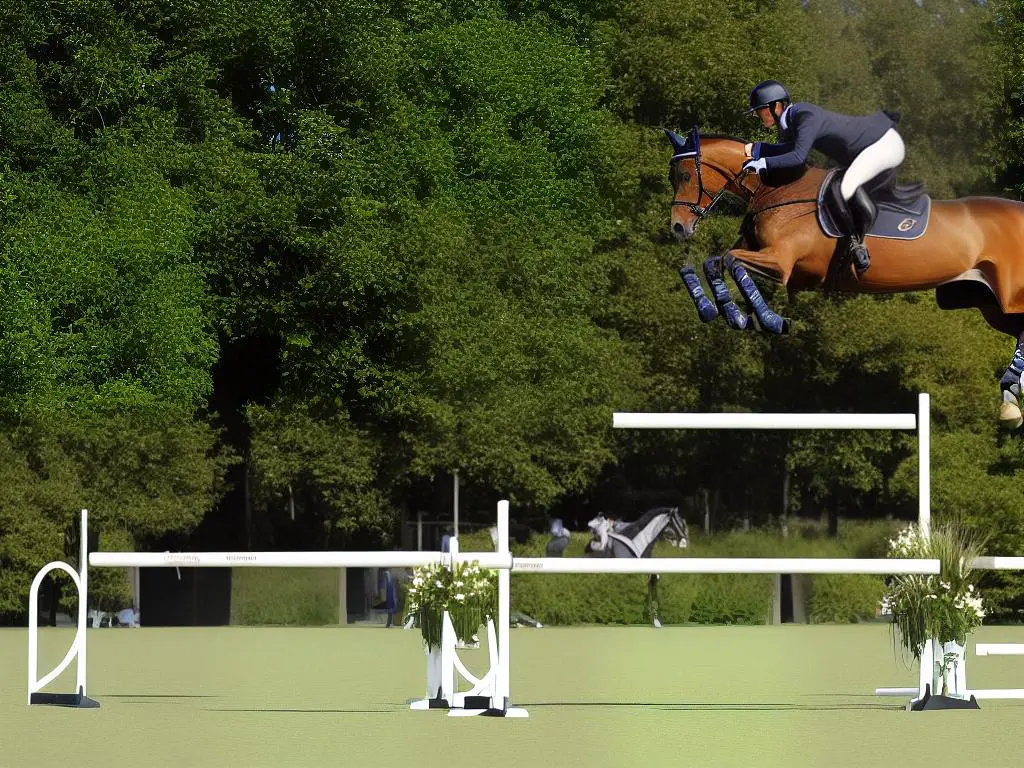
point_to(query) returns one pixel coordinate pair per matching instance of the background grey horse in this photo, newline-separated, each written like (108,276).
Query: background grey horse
(636,539)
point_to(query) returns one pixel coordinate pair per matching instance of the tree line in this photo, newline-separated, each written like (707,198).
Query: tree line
(274,270)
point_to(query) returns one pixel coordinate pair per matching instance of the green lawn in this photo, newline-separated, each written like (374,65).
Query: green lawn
(597,696)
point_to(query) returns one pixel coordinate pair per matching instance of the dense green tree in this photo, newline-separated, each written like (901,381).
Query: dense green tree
(318,256)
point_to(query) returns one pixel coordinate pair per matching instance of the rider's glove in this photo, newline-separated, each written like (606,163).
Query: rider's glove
(755,165)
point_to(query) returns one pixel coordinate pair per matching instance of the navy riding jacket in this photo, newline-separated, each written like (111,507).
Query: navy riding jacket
(839,137)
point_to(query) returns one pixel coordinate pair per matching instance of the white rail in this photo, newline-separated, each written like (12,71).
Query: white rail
(998,563)
(764,421)
(382,559)
(695,565)
(999,649)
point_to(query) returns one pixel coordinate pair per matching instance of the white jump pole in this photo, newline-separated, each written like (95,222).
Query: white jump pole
(764,420)
(289,559)
(762,565)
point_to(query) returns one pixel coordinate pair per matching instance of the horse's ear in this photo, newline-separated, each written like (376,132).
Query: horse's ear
(678,142)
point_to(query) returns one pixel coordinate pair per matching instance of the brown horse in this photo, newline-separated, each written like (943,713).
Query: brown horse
(969,250)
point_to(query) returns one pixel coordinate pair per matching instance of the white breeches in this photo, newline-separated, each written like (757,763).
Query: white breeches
(886,153)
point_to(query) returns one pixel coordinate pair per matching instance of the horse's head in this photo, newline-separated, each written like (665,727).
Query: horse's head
(692,186)
(676,532)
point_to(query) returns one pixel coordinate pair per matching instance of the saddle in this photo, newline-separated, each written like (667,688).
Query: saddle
(903,209)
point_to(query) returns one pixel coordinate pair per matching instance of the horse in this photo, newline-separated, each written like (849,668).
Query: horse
(967,249)
(619,539)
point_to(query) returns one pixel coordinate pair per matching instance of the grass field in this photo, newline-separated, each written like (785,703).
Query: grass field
(597,696)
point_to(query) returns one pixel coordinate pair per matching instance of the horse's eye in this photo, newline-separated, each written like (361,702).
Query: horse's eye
(685,177)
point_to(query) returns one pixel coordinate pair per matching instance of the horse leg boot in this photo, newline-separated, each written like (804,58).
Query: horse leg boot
(716,279)
(705,309)
(863,212)
(1010,386)
(766,317)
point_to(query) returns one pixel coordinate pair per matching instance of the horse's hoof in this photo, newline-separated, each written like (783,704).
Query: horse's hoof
(1010,417)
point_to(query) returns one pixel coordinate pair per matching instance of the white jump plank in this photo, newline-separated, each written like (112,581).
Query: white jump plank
(622,420)
(998,563)
(999,649)
(997,693)
(764,565)
(384,559)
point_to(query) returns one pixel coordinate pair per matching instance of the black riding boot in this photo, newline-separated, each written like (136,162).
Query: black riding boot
(855,223)
(863,213)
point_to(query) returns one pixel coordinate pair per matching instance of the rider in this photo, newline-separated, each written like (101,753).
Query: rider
(866,146)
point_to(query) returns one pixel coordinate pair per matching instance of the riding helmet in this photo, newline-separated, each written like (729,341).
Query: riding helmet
(766,93)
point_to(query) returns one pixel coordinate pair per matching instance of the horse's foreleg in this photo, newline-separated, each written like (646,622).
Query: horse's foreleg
(732,313)
(766,317)
(705,309)
(1010,386)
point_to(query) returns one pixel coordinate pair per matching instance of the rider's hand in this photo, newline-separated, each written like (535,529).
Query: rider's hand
(748,150)
(755,165)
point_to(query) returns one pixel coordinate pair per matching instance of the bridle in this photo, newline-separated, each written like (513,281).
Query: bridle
(695,208)
(733,180)
(678,526)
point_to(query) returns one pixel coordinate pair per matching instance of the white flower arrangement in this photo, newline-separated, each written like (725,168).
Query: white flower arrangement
(467,591)
(945,607)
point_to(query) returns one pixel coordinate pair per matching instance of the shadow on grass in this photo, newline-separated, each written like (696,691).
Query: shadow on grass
(310,711)
(157,695)
(713,707)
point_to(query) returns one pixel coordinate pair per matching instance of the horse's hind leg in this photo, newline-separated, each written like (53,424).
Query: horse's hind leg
(1010,387)
(732,313)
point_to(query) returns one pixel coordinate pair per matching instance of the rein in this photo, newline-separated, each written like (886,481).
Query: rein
(782,205)
(731,180)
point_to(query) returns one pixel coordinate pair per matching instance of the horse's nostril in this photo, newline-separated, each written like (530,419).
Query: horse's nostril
(677,227)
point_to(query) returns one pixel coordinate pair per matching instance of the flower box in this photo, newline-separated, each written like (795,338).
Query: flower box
(943,609)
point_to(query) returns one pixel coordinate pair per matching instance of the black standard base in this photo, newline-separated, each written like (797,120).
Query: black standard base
(490,711)
(928,702)
(79,700)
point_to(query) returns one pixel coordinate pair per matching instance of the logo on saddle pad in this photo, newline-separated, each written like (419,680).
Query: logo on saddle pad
(906,225)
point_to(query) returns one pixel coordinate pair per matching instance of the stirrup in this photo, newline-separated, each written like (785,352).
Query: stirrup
(860,255)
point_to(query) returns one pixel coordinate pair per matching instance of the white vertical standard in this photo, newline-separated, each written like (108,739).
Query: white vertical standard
(77,649)
(505,618)
(924,467)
